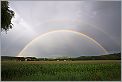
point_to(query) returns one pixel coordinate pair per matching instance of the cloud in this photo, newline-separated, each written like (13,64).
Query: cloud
(100,20)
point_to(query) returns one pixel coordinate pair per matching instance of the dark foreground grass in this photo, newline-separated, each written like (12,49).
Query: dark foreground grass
(98,70)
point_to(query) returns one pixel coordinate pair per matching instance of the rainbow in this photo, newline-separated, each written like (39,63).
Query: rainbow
(80,23)
(55,31)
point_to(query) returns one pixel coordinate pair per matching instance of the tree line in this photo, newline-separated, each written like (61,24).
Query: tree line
(115,56)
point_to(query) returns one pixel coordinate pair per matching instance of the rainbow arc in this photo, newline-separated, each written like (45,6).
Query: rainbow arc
(56,31)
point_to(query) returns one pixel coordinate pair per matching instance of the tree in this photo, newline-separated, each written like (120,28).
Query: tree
(6,16)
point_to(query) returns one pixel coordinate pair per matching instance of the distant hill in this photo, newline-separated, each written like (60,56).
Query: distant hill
(114,56)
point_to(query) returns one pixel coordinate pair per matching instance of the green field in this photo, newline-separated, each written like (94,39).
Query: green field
(93,70)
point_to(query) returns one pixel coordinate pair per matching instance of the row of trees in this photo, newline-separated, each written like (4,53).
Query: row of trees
(116,56)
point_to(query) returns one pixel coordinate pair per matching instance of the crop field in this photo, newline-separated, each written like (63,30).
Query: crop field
(92,70)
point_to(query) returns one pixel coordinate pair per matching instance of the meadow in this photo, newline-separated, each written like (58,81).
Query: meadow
(92,70)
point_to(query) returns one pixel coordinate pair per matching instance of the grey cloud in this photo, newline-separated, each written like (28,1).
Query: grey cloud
(100,20)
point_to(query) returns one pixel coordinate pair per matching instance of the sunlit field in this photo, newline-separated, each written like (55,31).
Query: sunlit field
(92,70)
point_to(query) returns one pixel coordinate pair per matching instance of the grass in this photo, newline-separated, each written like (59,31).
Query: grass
(95,70)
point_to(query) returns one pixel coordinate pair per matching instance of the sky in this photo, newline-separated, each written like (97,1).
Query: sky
(63,28)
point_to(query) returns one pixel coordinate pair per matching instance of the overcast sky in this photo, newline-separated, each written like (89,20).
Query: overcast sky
(99,20)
